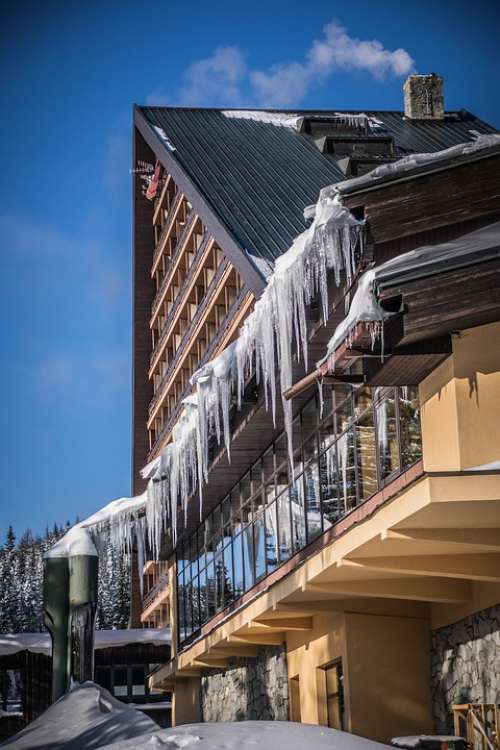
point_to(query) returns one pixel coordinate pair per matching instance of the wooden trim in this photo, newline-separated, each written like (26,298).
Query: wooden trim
(160,248)
(179,254)
(185,295)
(189,341)
(161,199)
(237,320)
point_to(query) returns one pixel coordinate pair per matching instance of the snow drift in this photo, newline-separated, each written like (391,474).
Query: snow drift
(87,717)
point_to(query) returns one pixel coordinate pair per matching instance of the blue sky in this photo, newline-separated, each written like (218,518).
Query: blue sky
(70,73)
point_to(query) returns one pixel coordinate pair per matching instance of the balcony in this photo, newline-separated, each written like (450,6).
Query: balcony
(166,230)
(183,346)
(159,589)
(167,427)
(180,296)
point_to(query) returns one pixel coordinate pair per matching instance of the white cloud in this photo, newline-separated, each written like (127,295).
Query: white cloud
(215,80)
(223,79)
(288,84)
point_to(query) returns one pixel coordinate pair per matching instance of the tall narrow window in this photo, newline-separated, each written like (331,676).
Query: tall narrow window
(335,695)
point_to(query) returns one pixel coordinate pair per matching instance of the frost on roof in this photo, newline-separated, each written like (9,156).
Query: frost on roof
(164,138)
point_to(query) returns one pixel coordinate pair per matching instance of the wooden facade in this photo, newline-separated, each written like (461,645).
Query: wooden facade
(189,303)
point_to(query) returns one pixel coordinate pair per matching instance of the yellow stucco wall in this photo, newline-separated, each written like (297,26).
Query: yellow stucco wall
(388,675)
(386,664)
(186,707)
(461,403)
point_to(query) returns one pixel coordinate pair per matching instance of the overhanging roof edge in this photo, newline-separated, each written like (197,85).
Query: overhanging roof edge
(223,235)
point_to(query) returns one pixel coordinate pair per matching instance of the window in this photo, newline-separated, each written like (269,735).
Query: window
(363,439)
(335,695)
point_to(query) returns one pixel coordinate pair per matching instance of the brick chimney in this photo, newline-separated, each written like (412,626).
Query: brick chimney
(423,95)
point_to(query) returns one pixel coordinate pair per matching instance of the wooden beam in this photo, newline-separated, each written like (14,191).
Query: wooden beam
(487,540)
(261,639)
(311,606)
(210,663)
(227,650)
(284,624)
(473,567)
(416,589)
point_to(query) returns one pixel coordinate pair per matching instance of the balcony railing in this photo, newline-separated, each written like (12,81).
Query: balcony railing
(199,312)
(167,427)
(178,300)
(155,591)
(166,227)
(190,219)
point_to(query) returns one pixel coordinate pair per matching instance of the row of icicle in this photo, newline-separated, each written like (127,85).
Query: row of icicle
(265,348)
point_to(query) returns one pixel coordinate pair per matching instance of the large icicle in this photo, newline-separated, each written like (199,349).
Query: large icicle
(279,317)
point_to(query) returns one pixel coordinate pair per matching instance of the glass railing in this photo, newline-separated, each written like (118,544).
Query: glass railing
(367,438)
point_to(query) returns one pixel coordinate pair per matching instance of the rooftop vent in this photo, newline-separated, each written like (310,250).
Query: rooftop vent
(423,96)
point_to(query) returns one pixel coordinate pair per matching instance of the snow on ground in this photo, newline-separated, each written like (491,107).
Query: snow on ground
(87,717)
(249,735)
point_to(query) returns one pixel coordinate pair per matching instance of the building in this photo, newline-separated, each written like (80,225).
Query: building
(361,588)
(123,661)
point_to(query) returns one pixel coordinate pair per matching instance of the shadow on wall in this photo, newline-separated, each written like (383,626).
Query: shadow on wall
(465,665)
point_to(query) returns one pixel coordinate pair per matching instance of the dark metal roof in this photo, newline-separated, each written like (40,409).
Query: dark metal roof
(258,177)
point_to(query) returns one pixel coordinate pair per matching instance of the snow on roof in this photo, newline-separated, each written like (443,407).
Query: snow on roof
(86,717)
(40,643)
(365,307)
(280,119)
(413,161)
(414,741)
(76,541)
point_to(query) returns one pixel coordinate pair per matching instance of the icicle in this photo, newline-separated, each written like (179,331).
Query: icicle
(343,451)
(320,397)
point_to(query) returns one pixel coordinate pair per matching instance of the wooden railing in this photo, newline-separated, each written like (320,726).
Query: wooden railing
(178,354)
(169,424)
(155,591)
(479,724)
(178,250)
(166,228)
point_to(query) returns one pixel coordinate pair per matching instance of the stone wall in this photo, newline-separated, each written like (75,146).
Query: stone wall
(249,688)
(465,664)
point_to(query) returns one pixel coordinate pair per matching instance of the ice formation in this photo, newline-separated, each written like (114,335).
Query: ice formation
(265,347)
(364,308)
